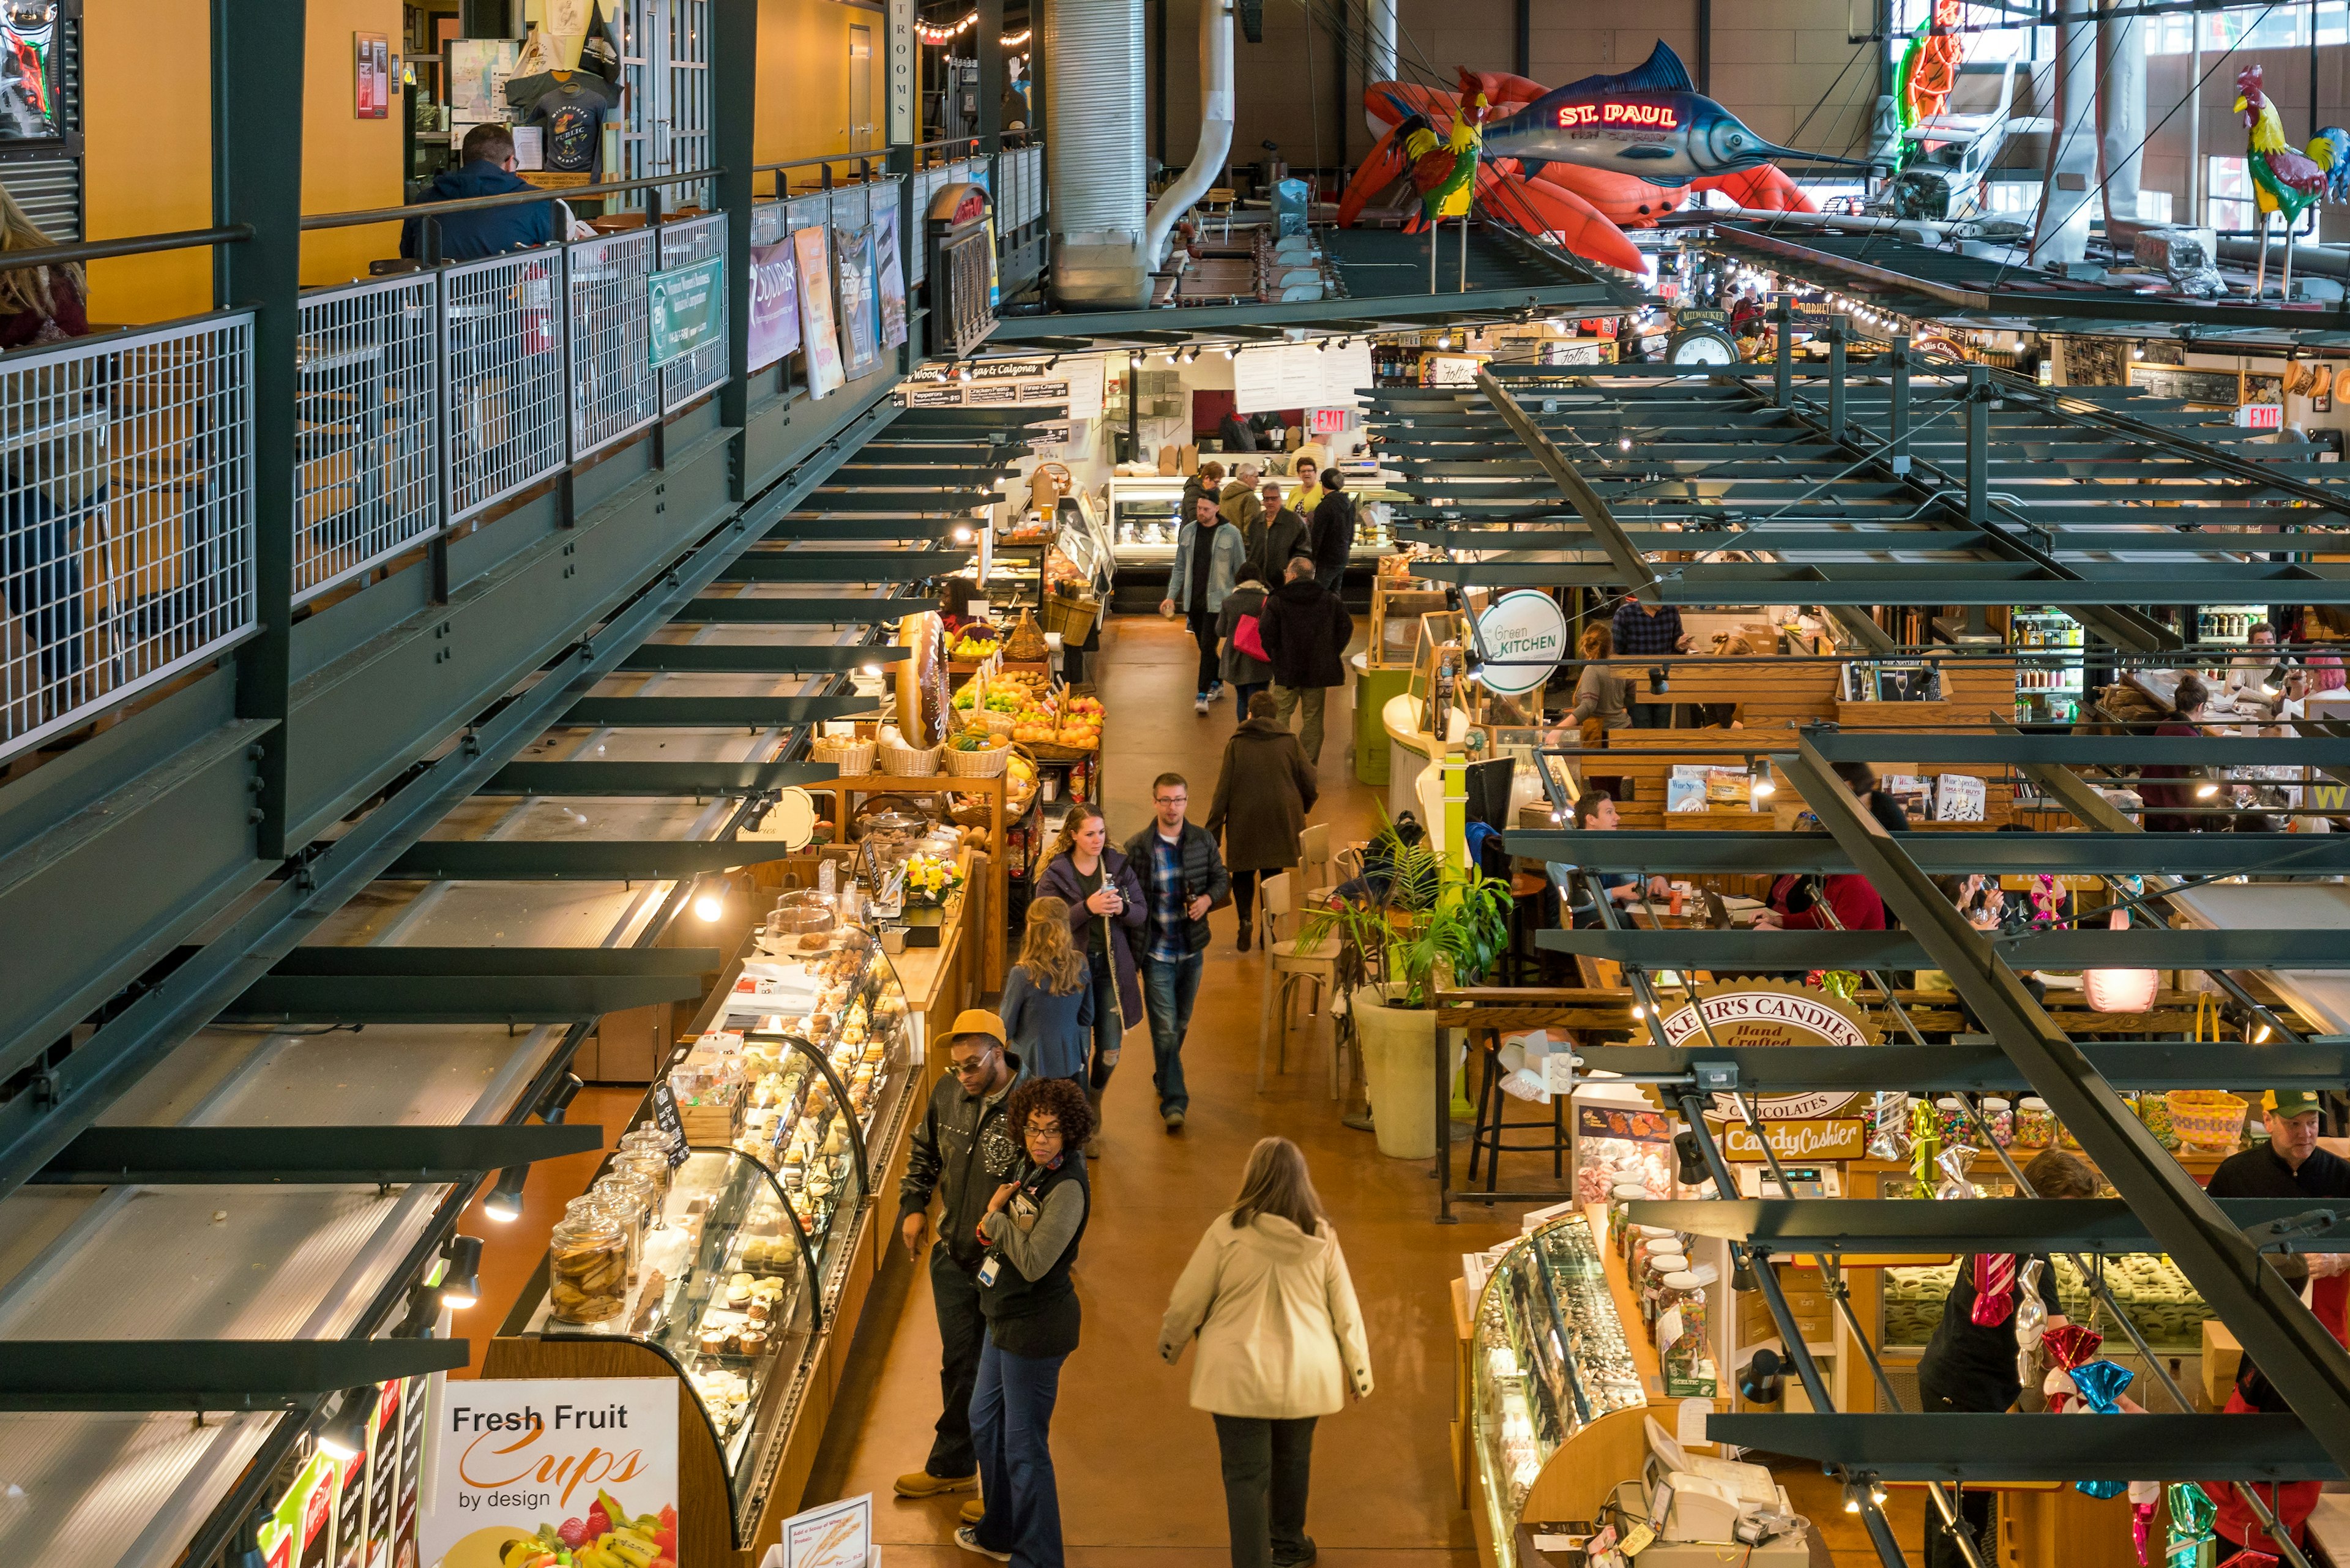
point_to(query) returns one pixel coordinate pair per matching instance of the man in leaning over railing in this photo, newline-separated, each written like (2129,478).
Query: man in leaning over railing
(487,170)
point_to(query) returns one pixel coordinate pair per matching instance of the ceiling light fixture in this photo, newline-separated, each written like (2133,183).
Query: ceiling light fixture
(710,904)
(558,1098)
(461,1287)
(504,1202)
(344,1439)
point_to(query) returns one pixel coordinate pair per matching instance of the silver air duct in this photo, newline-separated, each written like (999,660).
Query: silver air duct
(1093,69)
(2065,199)
(2121,84)
(1382,65)
(1206,170)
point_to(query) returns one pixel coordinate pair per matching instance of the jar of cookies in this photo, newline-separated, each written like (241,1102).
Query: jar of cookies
(654,1170)
(630,1199)
(646,1139)
(587,1267)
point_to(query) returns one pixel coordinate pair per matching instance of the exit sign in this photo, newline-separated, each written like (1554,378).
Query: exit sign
(1331,421)
(2260,416)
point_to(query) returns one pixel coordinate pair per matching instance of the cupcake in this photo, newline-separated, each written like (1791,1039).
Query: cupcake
(739,1293)
(754,1342)
(760,1309)
(714,1342)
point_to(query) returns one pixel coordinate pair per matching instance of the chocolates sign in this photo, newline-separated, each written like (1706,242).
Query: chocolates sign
(1759,1012)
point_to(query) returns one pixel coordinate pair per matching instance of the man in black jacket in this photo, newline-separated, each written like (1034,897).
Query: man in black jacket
(1333,530)
(1183,878)
(487,169)
(1305,631)
(1281,536)
(962,1152)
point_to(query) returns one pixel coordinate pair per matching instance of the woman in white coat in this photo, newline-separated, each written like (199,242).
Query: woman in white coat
(1281,1342)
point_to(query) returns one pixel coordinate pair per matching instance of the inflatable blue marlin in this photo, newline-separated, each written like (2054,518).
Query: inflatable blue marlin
(1651,123)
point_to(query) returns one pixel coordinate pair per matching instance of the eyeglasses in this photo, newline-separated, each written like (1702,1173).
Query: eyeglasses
(1039,1129)
(976,1066)
(1170,799)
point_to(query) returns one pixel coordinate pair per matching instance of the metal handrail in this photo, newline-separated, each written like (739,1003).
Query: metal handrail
(131,244)
(511,199)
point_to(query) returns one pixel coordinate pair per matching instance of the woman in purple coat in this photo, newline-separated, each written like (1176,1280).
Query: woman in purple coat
(1106,912)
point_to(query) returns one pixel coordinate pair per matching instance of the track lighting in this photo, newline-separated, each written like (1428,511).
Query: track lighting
(557,1099)
(2206,789)
(1760,782)
(1763,1380)
(504,1202)
(2260,1035)
(460,1285)
(962,536)
(344,1439)
(1229,350)
(423,1313)
(1852,1497)
(1623,443)
(710,904)
(1639,1010)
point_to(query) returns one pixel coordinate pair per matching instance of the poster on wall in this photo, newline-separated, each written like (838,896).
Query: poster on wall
(818,333)
(296,1534)
(371,76)
(860,308)
(478,71)
(31,90)
(775,304)
(891,271)
(518,1458)
(1086,376)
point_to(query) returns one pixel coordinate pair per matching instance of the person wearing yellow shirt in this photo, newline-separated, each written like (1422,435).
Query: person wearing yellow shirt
(1309,486)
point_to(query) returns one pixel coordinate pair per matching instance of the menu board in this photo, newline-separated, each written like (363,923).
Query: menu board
(1279,377)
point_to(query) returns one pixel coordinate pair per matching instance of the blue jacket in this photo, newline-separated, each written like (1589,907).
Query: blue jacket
(1052,1033)
(1226,553)
(468,236)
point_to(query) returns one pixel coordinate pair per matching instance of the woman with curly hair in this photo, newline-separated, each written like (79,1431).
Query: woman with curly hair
(1032,1228)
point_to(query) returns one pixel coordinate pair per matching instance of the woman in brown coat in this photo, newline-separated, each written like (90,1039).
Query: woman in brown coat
(1260,821)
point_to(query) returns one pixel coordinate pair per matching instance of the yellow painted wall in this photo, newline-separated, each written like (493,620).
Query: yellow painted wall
(149,149)
(804,79)
(148,152)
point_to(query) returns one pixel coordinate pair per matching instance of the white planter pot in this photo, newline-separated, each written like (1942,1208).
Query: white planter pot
(1399,1062)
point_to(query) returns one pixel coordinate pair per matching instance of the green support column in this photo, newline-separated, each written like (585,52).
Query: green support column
(257,73)
(989,39)
(734,104)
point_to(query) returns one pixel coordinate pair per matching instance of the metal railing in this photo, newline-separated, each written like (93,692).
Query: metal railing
(367,433)
(127,546)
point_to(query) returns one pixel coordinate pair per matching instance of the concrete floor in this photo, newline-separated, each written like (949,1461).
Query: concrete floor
(1137,1464)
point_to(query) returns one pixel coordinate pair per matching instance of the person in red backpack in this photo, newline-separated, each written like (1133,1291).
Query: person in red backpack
(1246,670)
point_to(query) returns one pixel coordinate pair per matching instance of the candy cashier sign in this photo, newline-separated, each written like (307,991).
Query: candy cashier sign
(586,1468)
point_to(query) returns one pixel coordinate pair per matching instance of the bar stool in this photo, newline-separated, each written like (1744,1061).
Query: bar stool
(1527,898)
(1285,969)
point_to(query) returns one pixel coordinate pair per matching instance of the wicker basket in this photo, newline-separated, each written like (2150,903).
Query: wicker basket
(996,724)
(1026,644)
(1073,618)
(2206,1120)
(987,765)
(904,762)
(1054,751)
(851,756)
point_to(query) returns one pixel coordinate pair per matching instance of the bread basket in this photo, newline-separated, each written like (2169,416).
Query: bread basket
(846,752)
(905,762)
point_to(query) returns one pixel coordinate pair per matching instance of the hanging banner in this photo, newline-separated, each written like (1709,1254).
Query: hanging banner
(688,308)
(561,1462)
(775,304)
(857,300)
(1520,639)
(818,333)
(891,271)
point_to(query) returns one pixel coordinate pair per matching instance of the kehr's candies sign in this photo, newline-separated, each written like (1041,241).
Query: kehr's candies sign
(583,1467)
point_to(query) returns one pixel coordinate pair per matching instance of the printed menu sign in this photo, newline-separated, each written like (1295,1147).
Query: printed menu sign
(838,1535)
(567,1463)
(672,1125)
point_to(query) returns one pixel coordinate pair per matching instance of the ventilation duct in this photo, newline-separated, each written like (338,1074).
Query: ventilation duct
(1093,71)
(2066,199)
(1206,170)
(2121,84)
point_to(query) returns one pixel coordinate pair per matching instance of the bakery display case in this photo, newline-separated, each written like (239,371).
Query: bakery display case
(1557,1398)
(1143,520)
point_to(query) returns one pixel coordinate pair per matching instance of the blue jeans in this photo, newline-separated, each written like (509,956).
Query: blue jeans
(1168,988)
(1011,1427)
(1102,975)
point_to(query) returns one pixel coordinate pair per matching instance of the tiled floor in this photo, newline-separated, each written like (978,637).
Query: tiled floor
(1137,1465)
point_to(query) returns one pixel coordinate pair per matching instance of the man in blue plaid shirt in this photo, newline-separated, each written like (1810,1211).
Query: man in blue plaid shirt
(1646,632)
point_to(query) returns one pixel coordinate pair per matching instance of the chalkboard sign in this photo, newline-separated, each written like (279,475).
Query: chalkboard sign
(2217,388)
(673,1125)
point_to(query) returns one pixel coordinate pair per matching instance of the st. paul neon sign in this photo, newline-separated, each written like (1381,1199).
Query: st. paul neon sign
(1656,115)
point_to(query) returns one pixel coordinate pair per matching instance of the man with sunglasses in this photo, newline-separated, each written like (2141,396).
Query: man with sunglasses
(961,1153)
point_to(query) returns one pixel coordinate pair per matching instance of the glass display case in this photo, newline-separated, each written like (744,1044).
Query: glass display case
(2149,1288)
(1549,1358)
(722,1281)
(1142,519)
(2047,684)
(1082,551)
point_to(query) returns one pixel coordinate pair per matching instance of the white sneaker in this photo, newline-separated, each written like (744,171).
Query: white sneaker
(967,1537)
(1199,703)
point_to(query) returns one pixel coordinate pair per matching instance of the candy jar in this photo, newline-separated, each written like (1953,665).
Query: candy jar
(2001,1119)
(2034,1125)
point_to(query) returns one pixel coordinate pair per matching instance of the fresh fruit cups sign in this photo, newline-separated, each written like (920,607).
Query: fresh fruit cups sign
(534,1473)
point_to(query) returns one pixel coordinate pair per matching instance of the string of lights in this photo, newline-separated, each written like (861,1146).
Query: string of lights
(930,34)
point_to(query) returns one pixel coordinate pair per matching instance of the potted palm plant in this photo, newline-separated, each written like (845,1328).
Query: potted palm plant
(1429,927)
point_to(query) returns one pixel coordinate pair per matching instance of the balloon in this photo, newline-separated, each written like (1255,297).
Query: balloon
(2192,1512)
(1888,1138)
(2069,1346)
(2102,1384)
(2031,1323)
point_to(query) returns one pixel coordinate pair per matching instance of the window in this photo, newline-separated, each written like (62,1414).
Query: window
(2277,26)
(2229,202)
(1986,50)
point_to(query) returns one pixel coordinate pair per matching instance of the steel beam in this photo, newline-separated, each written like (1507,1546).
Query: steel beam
(1861,584)
(722,712)
(1631,568)
(694,779)
(1742,951)
(2256,1304)
(809,611)
(2080,751)
(1947,854)
(1971,1447)
(453,998)
(572,859)
(208,1374)
(830,525)
(1392,311)
(306,1156)
(758,657)
(1984,1069)
(843,566)
(1805,1226)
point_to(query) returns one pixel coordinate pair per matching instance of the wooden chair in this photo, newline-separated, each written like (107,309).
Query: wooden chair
(1220,202)
(1314,860)
(1285,969)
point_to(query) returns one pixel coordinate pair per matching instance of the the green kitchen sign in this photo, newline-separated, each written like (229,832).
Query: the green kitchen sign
(689,309)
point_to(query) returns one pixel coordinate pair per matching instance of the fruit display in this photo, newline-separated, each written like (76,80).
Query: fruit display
(973,643)
(979,741)
(606,1536)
